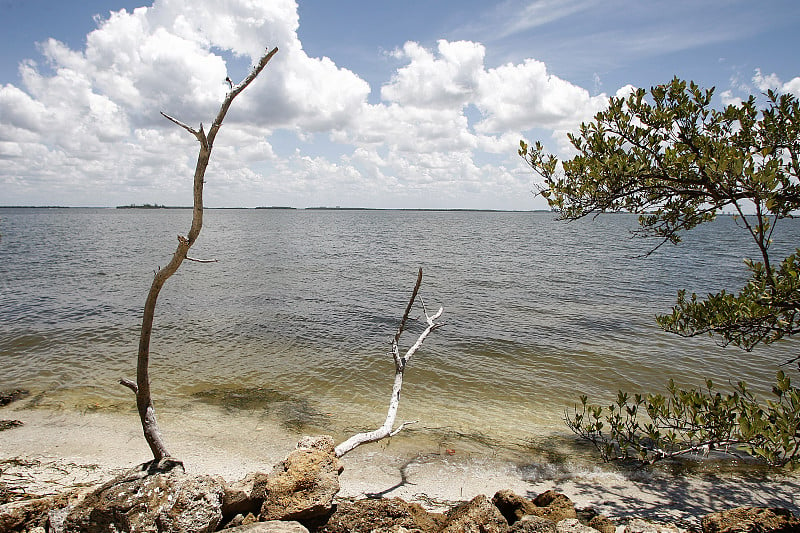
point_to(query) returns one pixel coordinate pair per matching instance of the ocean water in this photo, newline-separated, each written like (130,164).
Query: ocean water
(293,320)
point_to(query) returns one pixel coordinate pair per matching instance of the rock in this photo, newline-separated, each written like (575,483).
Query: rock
(589,516)
(144,501)
(553,506)
(602,524)
(324,443)
(533,524)
(381,515)
(29,514)
(475,516)
(238,496)
(302,486)
(241,520)
(637,525)
(273,526)
(197,507)
(750,519)
(572,525)
(512,506)
(25,514)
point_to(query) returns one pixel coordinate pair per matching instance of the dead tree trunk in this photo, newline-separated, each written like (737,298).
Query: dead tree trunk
(400,363)
(141,387)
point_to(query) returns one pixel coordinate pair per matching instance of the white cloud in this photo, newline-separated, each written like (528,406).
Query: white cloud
(538,13)
(729,99)
(772,81)
(764,83)
(792,86)
(83,127)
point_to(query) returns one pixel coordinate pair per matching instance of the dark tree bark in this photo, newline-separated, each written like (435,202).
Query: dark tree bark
(141,387)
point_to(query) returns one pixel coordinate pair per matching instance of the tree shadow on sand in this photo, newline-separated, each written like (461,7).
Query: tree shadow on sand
(684,499)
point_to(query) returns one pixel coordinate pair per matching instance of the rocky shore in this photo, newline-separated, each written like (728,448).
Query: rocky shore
(49,483)
(300,495)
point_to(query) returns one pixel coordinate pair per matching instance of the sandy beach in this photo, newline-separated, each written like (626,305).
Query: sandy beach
(57,449)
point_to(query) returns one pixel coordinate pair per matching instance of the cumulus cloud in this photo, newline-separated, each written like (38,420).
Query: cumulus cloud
(765,82)
(84,124)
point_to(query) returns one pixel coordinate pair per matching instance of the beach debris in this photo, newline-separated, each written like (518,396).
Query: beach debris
(400,364)
(6,397)
(9,424)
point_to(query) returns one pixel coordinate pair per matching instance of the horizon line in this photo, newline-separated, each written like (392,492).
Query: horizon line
(277,208)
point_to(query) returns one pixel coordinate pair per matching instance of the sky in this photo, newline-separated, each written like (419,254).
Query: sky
(415,104)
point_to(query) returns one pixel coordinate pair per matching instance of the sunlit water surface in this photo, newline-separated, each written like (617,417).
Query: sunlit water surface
(293,321)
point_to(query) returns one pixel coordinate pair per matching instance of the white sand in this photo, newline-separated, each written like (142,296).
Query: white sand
(64,448)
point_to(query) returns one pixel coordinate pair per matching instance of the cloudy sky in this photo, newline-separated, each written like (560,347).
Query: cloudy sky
(414,104)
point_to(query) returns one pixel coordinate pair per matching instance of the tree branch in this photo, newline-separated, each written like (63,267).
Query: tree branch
(400,364)
(201,260)
(144,401)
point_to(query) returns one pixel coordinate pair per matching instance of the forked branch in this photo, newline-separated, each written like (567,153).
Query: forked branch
(400,363)
(141,388)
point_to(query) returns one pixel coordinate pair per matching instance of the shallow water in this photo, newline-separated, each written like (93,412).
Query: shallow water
(292,323)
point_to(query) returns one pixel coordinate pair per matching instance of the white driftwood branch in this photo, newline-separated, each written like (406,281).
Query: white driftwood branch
(400,363)
(201,260)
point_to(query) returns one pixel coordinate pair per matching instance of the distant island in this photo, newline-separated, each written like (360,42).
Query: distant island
(151,206)
(275,207)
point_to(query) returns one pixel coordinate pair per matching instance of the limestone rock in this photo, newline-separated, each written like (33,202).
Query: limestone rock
(637,525)
(589,516)
(572,525)
(475,516)
(197,507)
(29,514)
(553,506)
(241,520)
(381,515)
(751,519)
(144,501)
(324,443)
(602,524)
(302,486)
(533,524)
(512,506)
(273,526)
(239,498)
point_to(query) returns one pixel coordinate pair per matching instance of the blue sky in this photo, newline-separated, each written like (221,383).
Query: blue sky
(371,104)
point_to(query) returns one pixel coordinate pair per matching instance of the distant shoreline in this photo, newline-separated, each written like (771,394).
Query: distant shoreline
(284,208)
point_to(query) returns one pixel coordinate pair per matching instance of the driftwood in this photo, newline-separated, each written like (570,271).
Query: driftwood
(400,363)
(141,387)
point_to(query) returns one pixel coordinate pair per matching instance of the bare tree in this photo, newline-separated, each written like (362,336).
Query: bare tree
(400,363)
(141,387)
